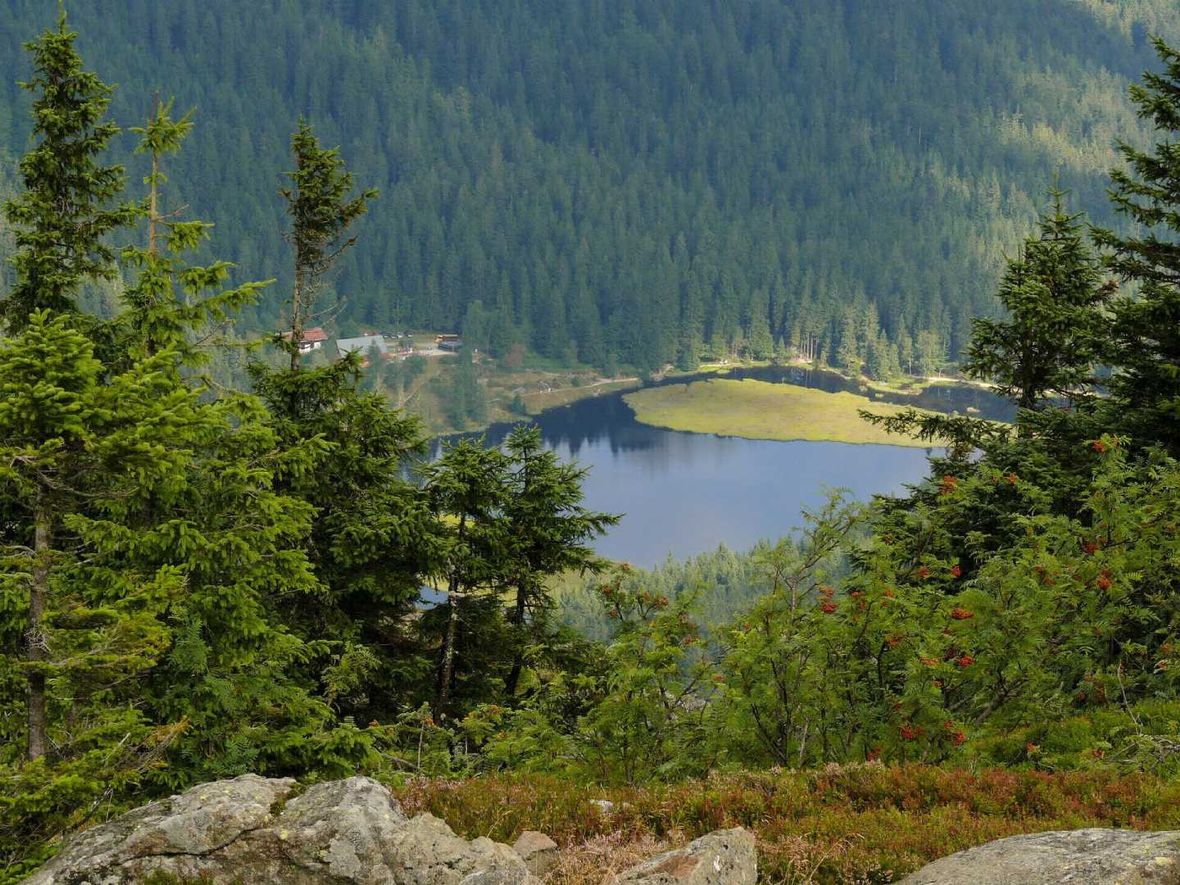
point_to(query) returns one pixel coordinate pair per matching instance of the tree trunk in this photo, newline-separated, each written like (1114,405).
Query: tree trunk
(154,205)
(446,661)
(296,320)
(35,650)
(446,658)
(518,654)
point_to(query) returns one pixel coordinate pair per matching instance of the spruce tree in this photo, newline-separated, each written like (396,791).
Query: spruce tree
(1051,340)
(1146,346)
(467,493)
(548,532)
(321,211)
(371,537)
(82,629)
(171,302)
(69,201)
(848,355)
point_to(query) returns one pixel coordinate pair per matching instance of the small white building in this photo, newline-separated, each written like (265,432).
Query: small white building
(313,339)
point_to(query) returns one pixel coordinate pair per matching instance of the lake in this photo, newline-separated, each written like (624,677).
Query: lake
(684,493)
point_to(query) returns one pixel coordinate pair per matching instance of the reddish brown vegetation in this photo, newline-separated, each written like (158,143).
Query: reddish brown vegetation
(855,823)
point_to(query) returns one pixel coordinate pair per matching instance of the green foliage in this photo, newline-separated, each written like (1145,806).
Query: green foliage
(1052,341)
(650,720)
(172,303)
(724,585)
(1145,343)
(145,540)
(509,520)
(65,210)
(321,210)
(371,538)
(548,531)
(78,645)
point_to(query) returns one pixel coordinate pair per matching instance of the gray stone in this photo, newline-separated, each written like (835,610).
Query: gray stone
(426,852)
(604,806)
(341,828)
(255,830)
(179,830)
(1080,857)
(538,851)
(723,857)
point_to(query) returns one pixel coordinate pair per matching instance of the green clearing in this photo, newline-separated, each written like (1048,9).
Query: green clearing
(762,410)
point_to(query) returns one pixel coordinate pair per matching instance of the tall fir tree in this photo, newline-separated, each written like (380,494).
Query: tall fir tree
(1146,346)
(69,203)
(80,442)
(171,302)
(548,532)
(1051,341)
(321,209)
(466,490)
(372,537)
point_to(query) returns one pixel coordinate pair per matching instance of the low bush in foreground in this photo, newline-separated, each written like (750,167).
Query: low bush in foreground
(865,823)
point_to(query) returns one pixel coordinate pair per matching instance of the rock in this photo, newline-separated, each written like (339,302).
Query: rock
(1079,857)
(206,819)
(341,829)
(256,830)
(426,852)
(723,857)
(604,806)
(538,851)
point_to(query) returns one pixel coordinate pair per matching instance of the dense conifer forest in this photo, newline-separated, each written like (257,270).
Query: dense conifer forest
(639,183)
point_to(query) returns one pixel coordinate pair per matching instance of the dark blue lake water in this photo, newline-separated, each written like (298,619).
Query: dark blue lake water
(685,493)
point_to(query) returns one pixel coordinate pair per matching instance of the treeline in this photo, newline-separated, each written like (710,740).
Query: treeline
(643,183)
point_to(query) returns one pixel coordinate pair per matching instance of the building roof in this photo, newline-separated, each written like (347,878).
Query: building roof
(314,334)
(363,344)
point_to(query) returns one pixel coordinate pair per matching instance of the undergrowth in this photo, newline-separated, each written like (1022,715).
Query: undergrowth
(865,823)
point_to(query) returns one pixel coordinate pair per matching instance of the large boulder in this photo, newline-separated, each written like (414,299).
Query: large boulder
(723,857)
(539,852)
(259,830)
(1079,857)
(426,852)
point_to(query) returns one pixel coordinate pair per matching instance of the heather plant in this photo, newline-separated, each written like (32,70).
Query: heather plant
(850,823)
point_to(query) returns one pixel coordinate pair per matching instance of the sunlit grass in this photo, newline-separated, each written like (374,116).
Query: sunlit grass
(762,410)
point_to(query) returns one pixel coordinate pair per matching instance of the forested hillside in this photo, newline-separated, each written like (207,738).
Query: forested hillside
(638,182)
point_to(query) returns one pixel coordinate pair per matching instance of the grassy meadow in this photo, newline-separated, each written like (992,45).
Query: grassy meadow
(762,410)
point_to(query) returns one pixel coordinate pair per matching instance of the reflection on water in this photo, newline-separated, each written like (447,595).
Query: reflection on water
(685,493)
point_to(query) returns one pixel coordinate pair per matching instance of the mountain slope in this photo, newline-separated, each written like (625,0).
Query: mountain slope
(637,181)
